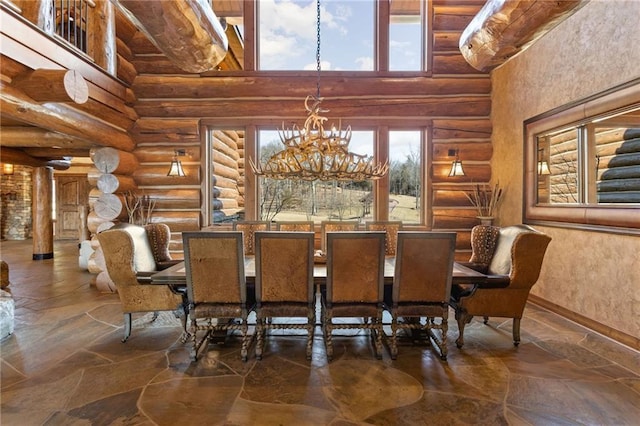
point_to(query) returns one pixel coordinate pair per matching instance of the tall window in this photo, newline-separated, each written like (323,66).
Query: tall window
(407,36)
(317,200)
(287,35)
(405,175)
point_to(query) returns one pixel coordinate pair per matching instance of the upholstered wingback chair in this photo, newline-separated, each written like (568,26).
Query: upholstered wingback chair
(129,258)
(512,258)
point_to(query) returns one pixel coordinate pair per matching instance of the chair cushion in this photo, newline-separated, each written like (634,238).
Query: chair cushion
(483,244)
(159,236)
(143,259)
(501,261)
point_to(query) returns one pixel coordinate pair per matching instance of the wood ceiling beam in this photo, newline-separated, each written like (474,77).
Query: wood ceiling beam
(187,32)
(58,117)
(20,136)
(502,29)
(46,85)
(15,156)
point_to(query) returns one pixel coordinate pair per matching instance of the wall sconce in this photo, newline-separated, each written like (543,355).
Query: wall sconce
(543,165)
(176,166)
(456,166)
(7,169)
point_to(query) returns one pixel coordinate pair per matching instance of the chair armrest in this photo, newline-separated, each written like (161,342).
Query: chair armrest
(167,264)
(479,267)
(144,276)
(495,281)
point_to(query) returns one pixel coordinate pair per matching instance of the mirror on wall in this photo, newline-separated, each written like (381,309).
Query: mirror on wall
(596,162)
(583,163)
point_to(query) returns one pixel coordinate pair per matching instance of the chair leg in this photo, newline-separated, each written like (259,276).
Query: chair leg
(127,327)
(244,352)
(394,336)
(486,320)
(443,341)
(463,319)
(184,322)
(516,331)
(378,331)
(326,321)
(311,325)
(260,330)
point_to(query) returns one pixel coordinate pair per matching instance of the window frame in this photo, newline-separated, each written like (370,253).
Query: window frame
(380,188)
(381,30)
(612,218)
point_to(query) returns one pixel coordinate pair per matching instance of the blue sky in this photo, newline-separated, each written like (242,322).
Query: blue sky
(288,34)
(288,42)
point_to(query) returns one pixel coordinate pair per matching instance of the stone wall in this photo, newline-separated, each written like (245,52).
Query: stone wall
(15,204)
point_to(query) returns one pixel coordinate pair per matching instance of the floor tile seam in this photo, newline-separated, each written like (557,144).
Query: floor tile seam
(115,326)
(23,376)
(72,392)
(142,387)
(336,412)
(427,390)
(614,362)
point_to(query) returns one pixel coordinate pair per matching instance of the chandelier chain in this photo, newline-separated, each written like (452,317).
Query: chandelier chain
(318,67)
(313,152)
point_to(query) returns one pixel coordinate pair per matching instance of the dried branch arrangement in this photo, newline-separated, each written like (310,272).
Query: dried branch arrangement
(485,199)
(139,208)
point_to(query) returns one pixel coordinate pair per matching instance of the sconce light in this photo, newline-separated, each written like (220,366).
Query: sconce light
(7,169)
(456,166)
(176,166)
(543,165)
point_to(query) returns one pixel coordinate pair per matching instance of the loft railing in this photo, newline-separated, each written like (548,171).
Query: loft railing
(72,21)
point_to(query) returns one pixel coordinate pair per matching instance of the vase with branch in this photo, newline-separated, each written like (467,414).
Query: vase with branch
(139,208)
(485,199)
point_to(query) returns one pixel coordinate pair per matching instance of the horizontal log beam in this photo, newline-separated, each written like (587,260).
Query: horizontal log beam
(399,107)
(502,29)
(22,136)
(44,85)
(61,118)
(55,153)
(15,156)
(298,86)
(188,32)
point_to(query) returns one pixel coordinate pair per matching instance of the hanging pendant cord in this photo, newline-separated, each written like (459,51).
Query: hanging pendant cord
(318,48)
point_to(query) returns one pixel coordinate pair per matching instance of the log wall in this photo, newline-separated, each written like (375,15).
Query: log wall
(454,102)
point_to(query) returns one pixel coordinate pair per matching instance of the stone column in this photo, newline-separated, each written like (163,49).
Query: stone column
(42,215)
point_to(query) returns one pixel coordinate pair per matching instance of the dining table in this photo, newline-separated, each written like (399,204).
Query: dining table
(175,278)
(176,274)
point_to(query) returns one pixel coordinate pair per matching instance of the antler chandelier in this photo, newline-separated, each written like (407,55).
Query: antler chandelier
(313,153)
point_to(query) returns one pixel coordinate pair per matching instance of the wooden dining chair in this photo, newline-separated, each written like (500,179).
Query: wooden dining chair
(335,226)
(355,285)
(512,266)
(248,229)
(391,228)
(216,286)
(300,226)
(422,287)
(127,253)
(284,284)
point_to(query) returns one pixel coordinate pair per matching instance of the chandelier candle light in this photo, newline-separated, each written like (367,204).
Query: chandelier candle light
(313,153)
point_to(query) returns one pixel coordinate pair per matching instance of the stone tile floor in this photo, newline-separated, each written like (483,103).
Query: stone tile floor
(65,365)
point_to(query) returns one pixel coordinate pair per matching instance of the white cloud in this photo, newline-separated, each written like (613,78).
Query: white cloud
(365,63)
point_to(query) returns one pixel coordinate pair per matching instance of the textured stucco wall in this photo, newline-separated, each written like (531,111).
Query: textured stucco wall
(594,274)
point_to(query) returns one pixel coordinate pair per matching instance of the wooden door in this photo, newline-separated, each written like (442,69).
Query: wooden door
(71,193)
